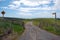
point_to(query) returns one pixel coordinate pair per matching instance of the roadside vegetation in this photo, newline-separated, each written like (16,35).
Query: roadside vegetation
(9,26)
(27,20)
(48,24)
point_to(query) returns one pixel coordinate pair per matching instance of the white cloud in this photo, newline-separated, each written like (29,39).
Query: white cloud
(12,6)
(36,15)
(34,2)
(34,9)
(30,3)
(25,14)
(16,5)
(57,4)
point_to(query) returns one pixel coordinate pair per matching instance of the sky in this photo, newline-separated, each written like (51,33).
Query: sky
(30,8)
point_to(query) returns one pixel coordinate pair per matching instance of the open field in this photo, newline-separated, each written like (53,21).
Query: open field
(48,24)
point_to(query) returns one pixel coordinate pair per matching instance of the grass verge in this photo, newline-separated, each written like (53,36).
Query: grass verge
(48,24)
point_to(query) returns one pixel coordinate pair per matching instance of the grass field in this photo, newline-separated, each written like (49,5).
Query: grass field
(48,24)
(15,27)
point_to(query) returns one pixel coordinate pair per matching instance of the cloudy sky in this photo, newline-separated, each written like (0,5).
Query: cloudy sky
(30,8)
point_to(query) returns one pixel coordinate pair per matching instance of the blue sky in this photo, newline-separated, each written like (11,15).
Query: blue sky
(30,8)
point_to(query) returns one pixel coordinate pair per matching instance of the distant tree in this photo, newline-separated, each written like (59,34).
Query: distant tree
(3,12)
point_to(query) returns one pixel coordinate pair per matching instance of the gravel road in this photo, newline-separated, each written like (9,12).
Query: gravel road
(35,33)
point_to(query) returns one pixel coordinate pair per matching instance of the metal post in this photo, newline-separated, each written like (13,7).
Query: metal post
(55,16)
(3,12)
(55,21)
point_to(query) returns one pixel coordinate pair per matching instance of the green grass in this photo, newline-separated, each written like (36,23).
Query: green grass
(26,20)
(7,24)
(48,24)
(17,28)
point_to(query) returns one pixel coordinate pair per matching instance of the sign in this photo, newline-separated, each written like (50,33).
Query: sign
(54,13)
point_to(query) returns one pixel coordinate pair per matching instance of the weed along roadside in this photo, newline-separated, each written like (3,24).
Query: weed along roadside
(48,24)
(10,28)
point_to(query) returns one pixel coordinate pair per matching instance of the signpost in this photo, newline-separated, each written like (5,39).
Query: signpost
(55,15)
(3,12)
(55,21)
